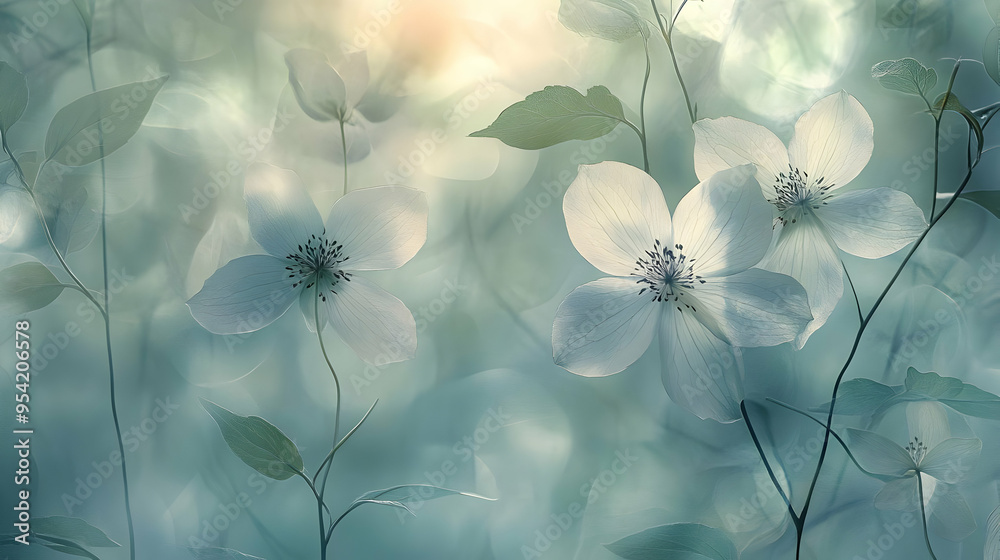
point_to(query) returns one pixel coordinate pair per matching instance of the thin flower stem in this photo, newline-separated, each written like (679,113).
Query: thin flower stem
(107,303)
(833,433)
(770,472)
(860,334)
(923,516)
(642,104)
(667,37)
(937,136)
(343,145)
(857,302)
(336,382)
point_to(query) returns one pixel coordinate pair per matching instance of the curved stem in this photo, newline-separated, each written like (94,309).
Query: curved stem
(770,472)
(336,382)
(861,331)
(107,309)
(343,145)
(937,142)
(833,433)
(673,57)
(329,456)
(923,516)
(642,104)
(857,302)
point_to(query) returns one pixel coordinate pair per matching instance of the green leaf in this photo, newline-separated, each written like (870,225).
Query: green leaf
(26,287)
(954,104)
(677,541)
(13,96)
(992,550)
(614,20)
(906,75)
(257,443)
(554,115)
(990,200)
(422,492)
(964,398)
(211,553)
(108,117)
(859,397)
(991,54)
(72,529)
(71,549)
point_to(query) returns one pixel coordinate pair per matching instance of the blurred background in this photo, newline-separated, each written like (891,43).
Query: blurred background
(482,408)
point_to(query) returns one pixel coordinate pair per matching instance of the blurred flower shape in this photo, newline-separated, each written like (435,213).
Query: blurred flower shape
(375,228)
(338,93)
(832,143)
(689,281)
(931,464)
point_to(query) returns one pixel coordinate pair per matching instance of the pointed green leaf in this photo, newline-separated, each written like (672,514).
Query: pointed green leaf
(211,553)
(73,529)
(859,397)
(906,75)
(422,492)
(107,118)
(991,54)
(990,200)
(954,104)
(614,20)
(554,115)
(962,397)
(26,287)
(13,96)
(257,443)
(71,549)
(677,541)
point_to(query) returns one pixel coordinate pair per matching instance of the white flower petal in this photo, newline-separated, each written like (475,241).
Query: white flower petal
(614,214)
(952,459)
(379,227)
(318,88)
(354,70)
(755,307)
(246,295)
(879,454)
(724,223)
(951,515)
(898,495)
(603,327)
(872,223)
(803,252)
(307,303)
(281,214)
(727,142)
(928,421)
(833,140)
(376,325)
(700,372)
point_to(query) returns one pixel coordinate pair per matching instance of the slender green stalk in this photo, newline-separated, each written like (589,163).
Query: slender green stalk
(107,302)
(642,104)
(923,515)
(343,145)
(857,302)
(770,472)
(323,540)
(668,38)
(937,137)
(833,433)
(860,334)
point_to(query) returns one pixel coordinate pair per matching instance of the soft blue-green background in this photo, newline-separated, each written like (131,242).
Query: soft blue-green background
(485,287)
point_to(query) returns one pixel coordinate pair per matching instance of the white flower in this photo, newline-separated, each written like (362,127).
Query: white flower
(831,145)
(368,229)
(691,282)
(932,454)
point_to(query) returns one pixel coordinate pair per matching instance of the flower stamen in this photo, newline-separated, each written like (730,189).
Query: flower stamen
(667,273)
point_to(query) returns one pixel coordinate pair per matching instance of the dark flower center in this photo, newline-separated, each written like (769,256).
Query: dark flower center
(667,273)
(796,194)
(318,261)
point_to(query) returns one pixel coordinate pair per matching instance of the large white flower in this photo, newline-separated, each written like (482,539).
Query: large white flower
(689,281)
(832,143)
(931,464)
(376,228)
